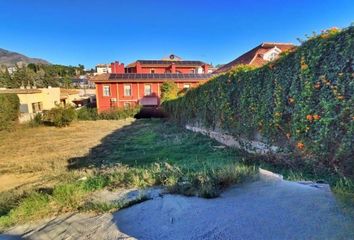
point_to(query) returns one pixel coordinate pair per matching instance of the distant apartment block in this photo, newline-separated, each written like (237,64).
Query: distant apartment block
(103,68)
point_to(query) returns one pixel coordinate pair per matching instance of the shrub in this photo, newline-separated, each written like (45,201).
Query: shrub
(9,110)
(86,113)
(119,113)
(36,121)
(60,116)
(303,102)
(169,91)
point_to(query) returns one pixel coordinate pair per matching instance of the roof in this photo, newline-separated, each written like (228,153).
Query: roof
(150,77)
(66,92)
(20,91)
(103,65)
(166,63)
(254,57)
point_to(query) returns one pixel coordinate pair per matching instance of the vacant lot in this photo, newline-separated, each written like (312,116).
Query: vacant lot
(47,171)
(36,155)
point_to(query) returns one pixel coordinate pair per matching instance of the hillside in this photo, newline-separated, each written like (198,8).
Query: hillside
(9,58)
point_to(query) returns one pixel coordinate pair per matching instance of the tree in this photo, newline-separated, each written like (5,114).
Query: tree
(5,78)
(67,82)
(169,91)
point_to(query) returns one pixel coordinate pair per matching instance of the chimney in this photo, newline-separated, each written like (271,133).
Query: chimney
(205,68)
(173,68)
(139,69)
(117,67)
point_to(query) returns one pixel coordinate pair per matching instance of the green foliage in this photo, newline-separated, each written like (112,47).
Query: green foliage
(36,121)
(119,113)
(60,116)
(9,110)
(31,207)
(39,75)
(303,102)
(169,91)
(86,114)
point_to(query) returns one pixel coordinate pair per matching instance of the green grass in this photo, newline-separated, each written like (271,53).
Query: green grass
(146,153)
(149,153)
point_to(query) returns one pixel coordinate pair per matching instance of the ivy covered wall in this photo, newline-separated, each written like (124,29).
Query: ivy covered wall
(303,102)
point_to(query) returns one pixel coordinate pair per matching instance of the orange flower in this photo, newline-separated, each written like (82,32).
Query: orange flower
(316,117)
(340,97)
(309,117)
(300,145)
(318,85)
(291,100)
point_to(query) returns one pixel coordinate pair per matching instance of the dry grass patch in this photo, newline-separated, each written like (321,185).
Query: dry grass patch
(29,155)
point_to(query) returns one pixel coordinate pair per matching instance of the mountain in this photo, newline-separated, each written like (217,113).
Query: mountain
(9,58)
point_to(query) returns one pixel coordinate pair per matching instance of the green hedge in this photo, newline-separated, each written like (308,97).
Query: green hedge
(9,110)
(86,113)
(303,102)
(119,113)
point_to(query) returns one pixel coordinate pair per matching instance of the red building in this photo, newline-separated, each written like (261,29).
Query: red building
(139,82)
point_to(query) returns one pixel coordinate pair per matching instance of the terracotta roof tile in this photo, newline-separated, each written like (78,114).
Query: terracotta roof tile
(254,57)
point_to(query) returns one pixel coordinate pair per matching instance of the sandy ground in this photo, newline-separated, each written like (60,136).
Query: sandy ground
(10,181)
(266,209)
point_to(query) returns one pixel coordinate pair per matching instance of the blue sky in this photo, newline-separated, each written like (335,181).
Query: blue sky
(101,31)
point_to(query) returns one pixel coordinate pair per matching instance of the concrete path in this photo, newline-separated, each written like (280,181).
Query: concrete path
(267,209)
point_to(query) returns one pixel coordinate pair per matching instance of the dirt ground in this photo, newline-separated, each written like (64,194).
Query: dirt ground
(35,155)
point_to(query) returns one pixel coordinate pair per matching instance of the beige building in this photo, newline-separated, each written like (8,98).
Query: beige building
(33,101)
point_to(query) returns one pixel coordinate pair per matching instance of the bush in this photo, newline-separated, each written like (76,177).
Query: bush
(9,110)
(303,102)
(60,116)
(169,91)
(36,121)
(86,114)
(119,113)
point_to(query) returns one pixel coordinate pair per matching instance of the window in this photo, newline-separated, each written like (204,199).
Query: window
(106,91)
(186,86)
(272,56)
(192,71)
(37,107)
(40,106)
(126,105)
(24,108)
(127,90)
(147,89)
(152,70)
